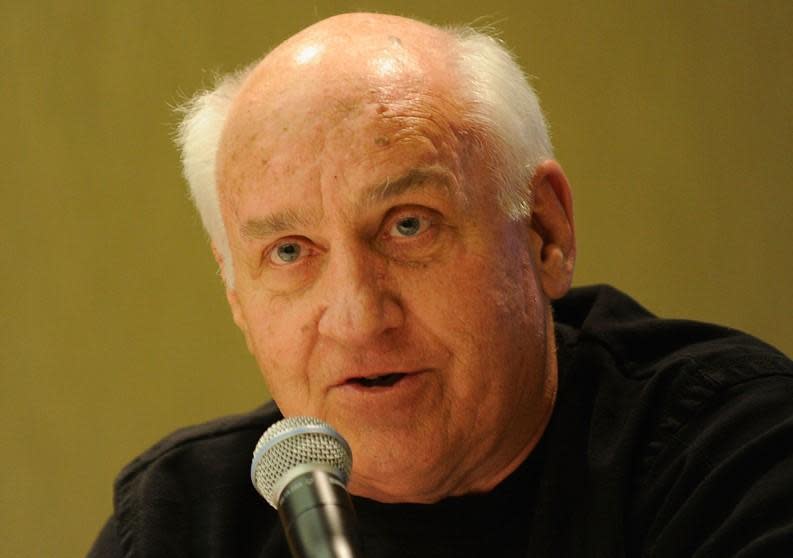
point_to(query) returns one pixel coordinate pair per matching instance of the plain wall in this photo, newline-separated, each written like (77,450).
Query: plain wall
(673,121)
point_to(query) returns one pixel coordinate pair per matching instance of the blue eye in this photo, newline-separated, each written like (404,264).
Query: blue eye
(285,253)
(410,226)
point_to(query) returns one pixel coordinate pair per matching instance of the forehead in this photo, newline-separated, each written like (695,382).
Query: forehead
(342,152)
(353,124)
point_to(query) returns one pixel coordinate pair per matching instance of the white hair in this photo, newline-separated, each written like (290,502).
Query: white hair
(198,138)
(502,106)
(501,111)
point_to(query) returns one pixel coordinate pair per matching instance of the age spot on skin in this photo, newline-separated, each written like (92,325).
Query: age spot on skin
(381,140)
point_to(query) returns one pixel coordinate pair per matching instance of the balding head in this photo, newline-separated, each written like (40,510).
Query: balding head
(369,45)
(349,68)
(383,55)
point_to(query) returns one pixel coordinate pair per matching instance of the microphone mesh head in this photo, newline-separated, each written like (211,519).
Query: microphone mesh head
(297,441)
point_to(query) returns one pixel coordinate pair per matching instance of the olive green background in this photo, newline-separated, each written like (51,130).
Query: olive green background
(673,120)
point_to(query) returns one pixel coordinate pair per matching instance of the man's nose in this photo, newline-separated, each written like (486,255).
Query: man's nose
(359,307)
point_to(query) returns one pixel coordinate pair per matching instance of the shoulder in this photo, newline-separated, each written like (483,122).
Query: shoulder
(192,490)
(638,339)
(617,332)
(664,373)
(225,433)
(700,415)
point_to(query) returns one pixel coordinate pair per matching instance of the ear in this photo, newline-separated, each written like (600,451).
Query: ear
(553,229)
(231,296)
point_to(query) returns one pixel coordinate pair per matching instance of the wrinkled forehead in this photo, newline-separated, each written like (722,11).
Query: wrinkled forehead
(327,73)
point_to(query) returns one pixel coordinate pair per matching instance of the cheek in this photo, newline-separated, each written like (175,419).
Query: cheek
(490,317)
(281,336)
(476,298)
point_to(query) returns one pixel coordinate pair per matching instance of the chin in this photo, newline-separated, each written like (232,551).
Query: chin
(400,480)
(393,492)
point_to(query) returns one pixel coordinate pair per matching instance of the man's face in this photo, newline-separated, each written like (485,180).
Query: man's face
(379,285)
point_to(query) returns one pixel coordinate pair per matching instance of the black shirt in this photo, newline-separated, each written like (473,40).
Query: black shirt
(669,438)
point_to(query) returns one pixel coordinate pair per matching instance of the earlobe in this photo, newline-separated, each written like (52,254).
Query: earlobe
(553,229)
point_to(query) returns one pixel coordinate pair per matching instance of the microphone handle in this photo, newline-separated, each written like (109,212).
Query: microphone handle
(318,518)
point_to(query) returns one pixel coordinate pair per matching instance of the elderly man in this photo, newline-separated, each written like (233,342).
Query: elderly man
(397,245)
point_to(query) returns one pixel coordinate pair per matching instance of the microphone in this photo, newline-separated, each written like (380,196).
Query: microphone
(301,466)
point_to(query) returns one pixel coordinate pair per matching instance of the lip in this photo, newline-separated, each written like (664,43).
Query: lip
(352,378)
(377,381)
(379,370)
(352,386)
(353,404)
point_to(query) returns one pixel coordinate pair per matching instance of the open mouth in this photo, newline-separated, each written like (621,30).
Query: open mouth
(385,380)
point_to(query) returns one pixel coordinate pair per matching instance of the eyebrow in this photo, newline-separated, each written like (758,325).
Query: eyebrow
(263,227)
(422,178)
